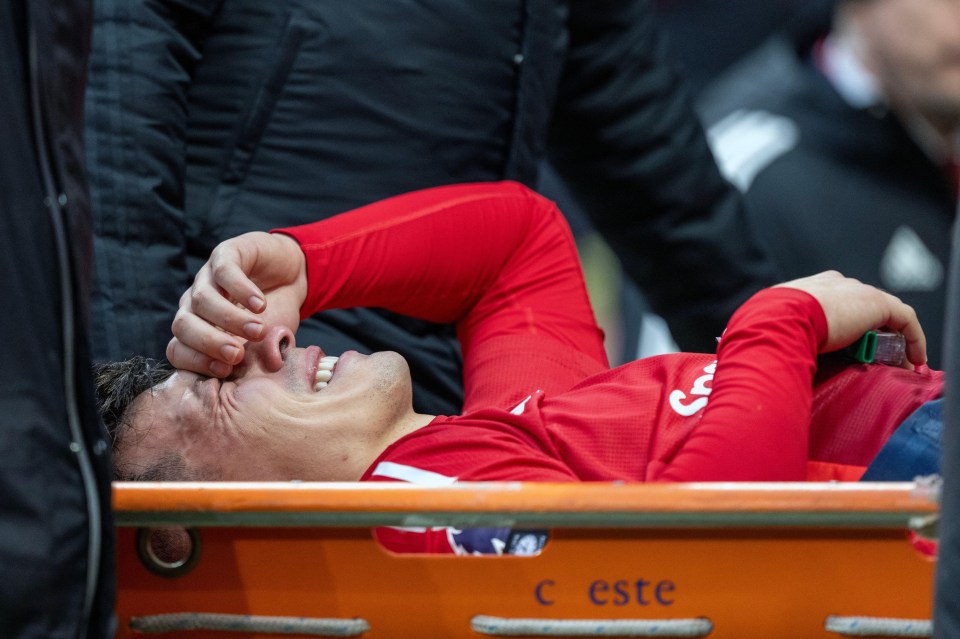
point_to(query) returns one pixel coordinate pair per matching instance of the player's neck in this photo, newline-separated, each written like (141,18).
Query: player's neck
(367,447)
(407,424)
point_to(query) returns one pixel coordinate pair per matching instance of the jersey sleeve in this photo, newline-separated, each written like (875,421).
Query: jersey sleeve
(496,259)
(756,426)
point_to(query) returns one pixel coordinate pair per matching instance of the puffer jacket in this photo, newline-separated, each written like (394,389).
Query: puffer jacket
(208,118)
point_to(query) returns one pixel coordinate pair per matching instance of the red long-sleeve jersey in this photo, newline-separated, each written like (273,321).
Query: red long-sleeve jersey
(542,404)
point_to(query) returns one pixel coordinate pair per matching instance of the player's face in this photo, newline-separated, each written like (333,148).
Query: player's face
(914,47)
(279,417)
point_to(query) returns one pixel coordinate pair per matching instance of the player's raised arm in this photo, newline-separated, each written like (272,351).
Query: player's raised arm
(460,254)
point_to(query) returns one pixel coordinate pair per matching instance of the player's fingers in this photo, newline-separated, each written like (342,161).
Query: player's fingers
(206,301)
(186,358)
(227,273)
(200,337)
(902,318)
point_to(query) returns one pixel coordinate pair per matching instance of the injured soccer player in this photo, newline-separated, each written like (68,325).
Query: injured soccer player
(777,402)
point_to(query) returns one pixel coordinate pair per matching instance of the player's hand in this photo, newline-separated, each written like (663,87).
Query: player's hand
(250,282)
(852,308)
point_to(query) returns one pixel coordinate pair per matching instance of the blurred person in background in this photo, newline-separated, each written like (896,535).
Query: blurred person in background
(844,145)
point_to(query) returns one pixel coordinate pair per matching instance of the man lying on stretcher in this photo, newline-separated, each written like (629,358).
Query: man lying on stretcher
(541,402)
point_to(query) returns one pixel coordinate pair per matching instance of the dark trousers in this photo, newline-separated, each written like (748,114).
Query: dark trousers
(913,450)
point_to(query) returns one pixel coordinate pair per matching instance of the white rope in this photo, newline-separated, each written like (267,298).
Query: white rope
(181,621)
(591,627)
(879,627)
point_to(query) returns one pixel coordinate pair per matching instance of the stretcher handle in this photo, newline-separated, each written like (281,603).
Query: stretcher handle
(878,626)
(216,622)
(505,626)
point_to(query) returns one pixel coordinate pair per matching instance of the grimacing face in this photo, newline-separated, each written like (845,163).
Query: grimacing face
(270,420)
(914,50)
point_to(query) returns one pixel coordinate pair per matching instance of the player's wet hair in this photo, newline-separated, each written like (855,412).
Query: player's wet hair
(118,384)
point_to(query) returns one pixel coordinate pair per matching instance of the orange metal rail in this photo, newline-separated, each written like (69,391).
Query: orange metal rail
(756,560)
(552,504)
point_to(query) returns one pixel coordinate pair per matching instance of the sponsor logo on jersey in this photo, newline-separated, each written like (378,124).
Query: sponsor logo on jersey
(694,399)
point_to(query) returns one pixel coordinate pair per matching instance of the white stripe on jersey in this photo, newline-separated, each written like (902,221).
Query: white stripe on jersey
(419,476)
(411,474)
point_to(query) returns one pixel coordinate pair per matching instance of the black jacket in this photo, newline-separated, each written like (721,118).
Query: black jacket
(841,188)
(56,532)
(209,118)
(946,603)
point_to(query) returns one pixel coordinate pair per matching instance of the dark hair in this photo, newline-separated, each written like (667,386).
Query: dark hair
(118,385)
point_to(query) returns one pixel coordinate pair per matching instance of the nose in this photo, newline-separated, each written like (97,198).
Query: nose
(269,353)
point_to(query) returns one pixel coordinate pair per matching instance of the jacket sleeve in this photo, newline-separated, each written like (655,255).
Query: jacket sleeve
(627,142)
(142,59)
(497,260)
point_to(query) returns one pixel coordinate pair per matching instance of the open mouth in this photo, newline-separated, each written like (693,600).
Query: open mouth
(324,372)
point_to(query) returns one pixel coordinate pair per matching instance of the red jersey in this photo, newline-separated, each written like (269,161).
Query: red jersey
(541,403)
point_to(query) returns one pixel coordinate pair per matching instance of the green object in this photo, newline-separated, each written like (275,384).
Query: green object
(879,347)
(865,348)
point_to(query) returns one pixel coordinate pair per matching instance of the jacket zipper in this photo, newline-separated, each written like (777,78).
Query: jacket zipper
(78,446)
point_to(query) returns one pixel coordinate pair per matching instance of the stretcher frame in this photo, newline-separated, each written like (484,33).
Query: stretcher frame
(718,560)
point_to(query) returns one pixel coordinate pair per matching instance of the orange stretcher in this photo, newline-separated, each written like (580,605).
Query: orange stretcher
(720,560)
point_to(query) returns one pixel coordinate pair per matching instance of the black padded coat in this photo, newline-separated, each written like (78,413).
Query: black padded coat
(207,118)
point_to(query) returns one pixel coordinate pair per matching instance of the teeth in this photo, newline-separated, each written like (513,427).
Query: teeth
(324,371)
